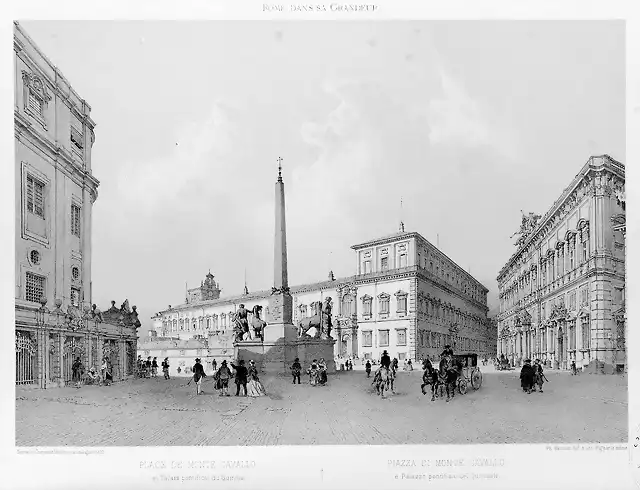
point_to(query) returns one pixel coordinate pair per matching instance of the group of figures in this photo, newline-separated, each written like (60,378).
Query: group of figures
(242,329)
(245,378)
(444,378)
(93,376)
(532,376)
(149,368)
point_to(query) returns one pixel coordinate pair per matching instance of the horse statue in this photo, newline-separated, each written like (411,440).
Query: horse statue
(258,323)
(313,321)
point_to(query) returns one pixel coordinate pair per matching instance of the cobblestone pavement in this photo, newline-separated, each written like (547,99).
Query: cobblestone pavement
(584,408)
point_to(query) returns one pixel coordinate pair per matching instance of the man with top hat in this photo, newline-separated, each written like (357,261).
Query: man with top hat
(241,377)
(527,374)
(223,376)
(198,375)
(165,368)
(448,351)
(385,362)
(296,369)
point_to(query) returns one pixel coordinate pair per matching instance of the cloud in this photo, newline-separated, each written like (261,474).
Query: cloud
(200,149)
(458,119)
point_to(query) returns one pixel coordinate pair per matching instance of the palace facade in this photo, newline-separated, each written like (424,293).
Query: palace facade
(55,193)
(562,292)
(407,298)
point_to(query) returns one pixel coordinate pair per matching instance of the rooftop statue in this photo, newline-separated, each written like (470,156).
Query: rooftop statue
(529,222)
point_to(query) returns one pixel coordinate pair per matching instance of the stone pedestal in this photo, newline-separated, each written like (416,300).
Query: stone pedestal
(277,357)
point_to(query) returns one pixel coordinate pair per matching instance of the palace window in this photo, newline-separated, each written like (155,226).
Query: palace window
(347,305)
(584,246)
(77,139)
(366,305)
(402,262)
(586,332)
(544,340)
(35,103)
(401,301)
(75,297)
(215,322)
(572,301)
(402,356)
(584,296)
(427,339)
(384,304)
(303,311)
(572,335)
(34,287)
(75,220)
(35,196)
(384,264)
(572,251)
(367,267)
(402,337)
(384,338)
(367,339)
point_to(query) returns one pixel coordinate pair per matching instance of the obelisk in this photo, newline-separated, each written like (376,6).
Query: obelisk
(279,328)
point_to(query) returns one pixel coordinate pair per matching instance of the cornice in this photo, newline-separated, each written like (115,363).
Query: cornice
(595,166)
(33,64)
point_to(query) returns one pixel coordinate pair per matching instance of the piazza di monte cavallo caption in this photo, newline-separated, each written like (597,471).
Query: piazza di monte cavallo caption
(561,294)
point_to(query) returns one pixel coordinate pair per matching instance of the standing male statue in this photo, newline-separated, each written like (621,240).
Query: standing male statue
(326,313)
(242,322)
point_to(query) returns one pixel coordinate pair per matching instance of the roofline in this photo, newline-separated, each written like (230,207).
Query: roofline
(607,162)
(415,234)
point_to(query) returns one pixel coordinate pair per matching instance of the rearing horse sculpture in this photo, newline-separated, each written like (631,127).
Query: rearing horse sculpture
(314,321)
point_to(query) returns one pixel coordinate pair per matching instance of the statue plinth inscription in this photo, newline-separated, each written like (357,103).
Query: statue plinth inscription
(280,308)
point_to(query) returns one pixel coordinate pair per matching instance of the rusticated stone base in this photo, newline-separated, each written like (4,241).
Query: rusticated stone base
(277,357)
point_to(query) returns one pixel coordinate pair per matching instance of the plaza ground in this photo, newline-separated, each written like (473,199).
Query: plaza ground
(583,408)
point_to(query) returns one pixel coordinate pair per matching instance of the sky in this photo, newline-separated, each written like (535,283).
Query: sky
(466,122)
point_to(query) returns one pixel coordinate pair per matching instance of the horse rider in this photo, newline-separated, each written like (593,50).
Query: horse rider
(385,362)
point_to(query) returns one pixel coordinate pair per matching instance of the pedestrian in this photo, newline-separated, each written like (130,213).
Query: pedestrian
(77,370)
(254,385)
(107,371)
(527,376)
(296,369)
(313,372)
(154,367)
(574,369)
(367,368)
(410,365)
(214,365)
(222,376)
(147,367)
(540,377)
(322,372)
(165,368)
(241,377)
(198,375)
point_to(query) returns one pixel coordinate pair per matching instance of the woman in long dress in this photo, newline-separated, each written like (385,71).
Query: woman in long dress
(254,386)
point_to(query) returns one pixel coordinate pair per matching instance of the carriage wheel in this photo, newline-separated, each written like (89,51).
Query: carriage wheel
(476,379)
(462,386)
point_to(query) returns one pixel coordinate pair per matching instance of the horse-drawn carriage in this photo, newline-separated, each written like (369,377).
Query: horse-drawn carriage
(469,372)
(457,371)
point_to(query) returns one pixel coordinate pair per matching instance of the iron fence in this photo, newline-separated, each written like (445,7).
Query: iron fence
(26,358)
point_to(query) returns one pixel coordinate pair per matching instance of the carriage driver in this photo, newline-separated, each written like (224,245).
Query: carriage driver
(448,351)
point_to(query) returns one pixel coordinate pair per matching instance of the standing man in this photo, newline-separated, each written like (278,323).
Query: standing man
(241,377)
(296,369)
(198,375)
(367,368)
(165,368)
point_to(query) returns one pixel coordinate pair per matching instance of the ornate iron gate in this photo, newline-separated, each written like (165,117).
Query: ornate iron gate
(26,358)
(72,348)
